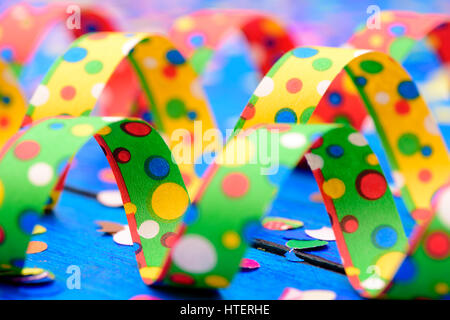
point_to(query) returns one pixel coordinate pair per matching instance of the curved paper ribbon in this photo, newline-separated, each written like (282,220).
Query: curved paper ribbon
(417,154)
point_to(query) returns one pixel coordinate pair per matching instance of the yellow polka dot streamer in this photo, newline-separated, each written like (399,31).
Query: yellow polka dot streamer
(170,84)
(150,183)
(417,153)
(12,104)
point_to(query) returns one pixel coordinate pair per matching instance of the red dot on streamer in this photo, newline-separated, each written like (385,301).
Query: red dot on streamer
(249,112)
(182,279)
(317,144)
(2,235)
(137,129)
(68,92)
(402,107)
(169,239)
(26,121)
(349,224)
(235,185)
(294,85)
(27,150)
(122,155)
(371,184)
(421,214)
(4,122)
(170,71)
(186,179)
(425,175)
(437,245)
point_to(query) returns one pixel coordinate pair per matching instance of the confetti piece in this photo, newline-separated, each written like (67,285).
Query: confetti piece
(144,297)
(109,227)
(36,247)
(291,256)
(316,197)
(249,264)
(123,237)
(106,175)
(295,294)
(278,223)
(29,276)
(110,198)
(38,229)
(305,244)
(324,233)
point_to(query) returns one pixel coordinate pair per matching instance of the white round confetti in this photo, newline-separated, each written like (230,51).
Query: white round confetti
(112,119)
(150,62)
(382,97)
(265,87)
(368,125)
(148,229)
(293,140)
(110,198)
(318,295)
(126,48)
(194,253)
(315,161)
(40,174)
(431,125)
(323,86)
(97,89)
(123,237)
(357,139)
(40,96)
(443,207)
(324,233)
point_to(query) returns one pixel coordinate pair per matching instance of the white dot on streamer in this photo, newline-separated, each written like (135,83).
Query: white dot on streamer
(315,162)
(40,96)
(97,89)
(265,87)
(323,86)
(382,97)
(443,207)
(357,139)
(40,174)
(150,63)
(194,253)
(293,140)
(148,229)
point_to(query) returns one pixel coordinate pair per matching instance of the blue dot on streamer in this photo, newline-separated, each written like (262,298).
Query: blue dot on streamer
(360,81)
(426,151)
(197,40)
(157,167)
(75,54)
(335,151)
(335,98)
(91,27)
(278,177)
(201,164)
(384,236)
(285,115)
(408,90)
(147,116)
(28,220)
(305,52)
(192,115)
(175,57)
(191,215)
(406,272)
(6,99)
(398,30)
(7,54)
(56,126)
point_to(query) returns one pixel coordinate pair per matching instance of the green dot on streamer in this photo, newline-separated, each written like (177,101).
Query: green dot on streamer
(342,119)
(176,108)
(322,64)
(408,144)
(306,114)
(200,59)
(371,66)
(93,67)
(400,47)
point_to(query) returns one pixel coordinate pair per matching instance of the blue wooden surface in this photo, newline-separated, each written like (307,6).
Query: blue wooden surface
(109,270)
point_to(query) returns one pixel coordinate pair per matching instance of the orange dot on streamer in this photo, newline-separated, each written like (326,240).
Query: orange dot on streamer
(294,85)
(27,150)
(235,185)
(68,92)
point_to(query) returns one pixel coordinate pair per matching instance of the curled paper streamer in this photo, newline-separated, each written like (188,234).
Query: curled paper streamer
(206,248)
